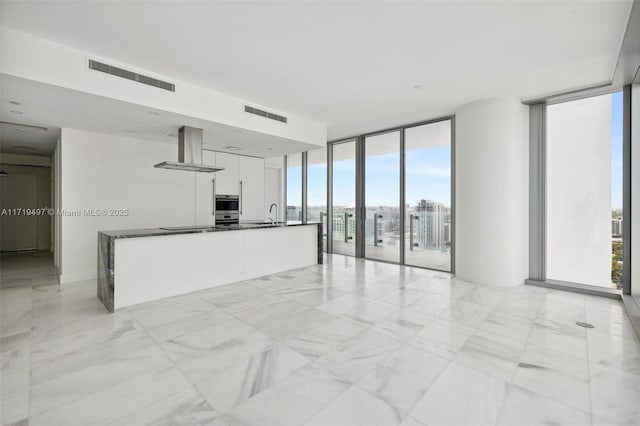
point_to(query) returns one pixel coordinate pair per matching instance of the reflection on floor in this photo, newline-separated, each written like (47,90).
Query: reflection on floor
(349,342)
(432,259)
(29,269)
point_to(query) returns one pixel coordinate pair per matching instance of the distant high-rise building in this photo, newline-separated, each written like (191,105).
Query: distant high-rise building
(294,213)
(433,225)
(616,227)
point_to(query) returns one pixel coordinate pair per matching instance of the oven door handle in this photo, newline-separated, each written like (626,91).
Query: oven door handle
(240,197)
(213,185)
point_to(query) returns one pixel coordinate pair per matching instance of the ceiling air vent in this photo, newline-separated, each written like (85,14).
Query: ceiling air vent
(130,75)
(261,113)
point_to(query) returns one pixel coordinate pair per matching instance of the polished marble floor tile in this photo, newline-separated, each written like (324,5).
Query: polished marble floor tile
(355,358)
(465,313)
(79,383)
(186,407)
(403,324)
(72,342)
(370,312)
(507,325)
(109,404)
(292,401)
(351,341)
(521,303)
(492,354)
(555,375)
(431,304)
(566,338)
(198,362)
(442,338)
(321,340)
(243,381)
(613,351)
(14,408)
(615,394)
(522,407)
(100,355)
(461,396)
(410,421)
(189,324)
(483,295)
(404,377)
(357,407)
(285,327)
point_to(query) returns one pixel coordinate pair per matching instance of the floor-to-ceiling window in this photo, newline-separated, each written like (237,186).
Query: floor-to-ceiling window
(317,189)
(294,188)
(584,191)
(382,196)
(405,208)
(343,192)
(428,215)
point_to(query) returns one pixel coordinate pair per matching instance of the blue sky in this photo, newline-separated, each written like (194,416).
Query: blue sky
(428,174)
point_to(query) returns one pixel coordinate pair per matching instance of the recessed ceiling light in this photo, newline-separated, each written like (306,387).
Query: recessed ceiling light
(154,113)
(232,148)
(417,87)
(17,112)
(15,103)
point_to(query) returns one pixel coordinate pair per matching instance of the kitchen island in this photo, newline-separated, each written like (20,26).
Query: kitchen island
(142,265)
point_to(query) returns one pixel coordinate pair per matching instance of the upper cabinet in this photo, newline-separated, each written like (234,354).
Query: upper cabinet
(242,176)
(227,180)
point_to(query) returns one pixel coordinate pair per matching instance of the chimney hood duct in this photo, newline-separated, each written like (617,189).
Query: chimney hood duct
(189,153)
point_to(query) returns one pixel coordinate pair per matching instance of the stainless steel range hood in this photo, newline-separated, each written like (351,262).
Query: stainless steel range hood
(189,153)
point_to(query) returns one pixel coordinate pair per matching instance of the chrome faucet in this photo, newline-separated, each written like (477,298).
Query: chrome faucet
(271,208)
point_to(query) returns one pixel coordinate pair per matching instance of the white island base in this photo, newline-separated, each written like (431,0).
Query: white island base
(139,268)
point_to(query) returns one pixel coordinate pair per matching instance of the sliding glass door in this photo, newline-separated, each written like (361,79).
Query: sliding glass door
(382,196)
(343,221)
(317,190)
(403,205)
(428,229)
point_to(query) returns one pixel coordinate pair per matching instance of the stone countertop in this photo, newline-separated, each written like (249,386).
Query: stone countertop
(153,232)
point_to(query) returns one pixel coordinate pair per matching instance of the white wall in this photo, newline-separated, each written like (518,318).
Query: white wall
(635,188)
(579,191)
(492,167)
(107,172)
(38,59)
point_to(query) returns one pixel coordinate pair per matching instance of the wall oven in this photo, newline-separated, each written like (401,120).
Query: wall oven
(227,209)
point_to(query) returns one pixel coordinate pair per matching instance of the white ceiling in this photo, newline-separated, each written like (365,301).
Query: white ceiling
(55,107)
(351,65)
